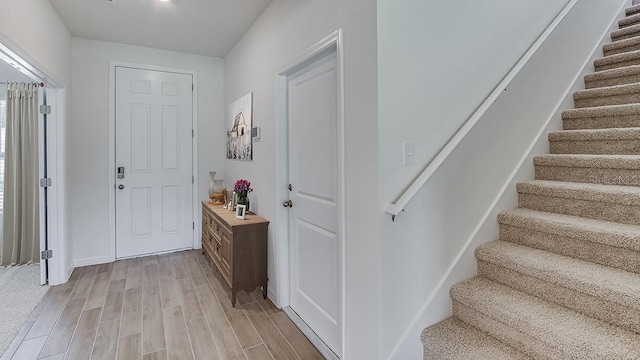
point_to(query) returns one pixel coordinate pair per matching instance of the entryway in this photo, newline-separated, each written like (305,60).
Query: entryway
(31,120)
(154,176)
(311,103)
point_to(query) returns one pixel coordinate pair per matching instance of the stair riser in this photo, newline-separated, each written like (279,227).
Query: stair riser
(621,80)
(628,22)
(615,257)
(515,338)
(628,177)
(589,305)
(632,98)
(602,122)
(602,147)
(617,65)
(632,11)
(625,214)
(609,52)
(618,37)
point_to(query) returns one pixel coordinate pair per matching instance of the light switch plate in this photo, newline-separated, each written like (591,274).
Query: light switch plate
(409,153)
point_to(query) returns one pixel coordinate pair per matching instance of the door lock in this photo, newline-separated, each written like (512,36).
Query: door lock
(288,204)
(121,172)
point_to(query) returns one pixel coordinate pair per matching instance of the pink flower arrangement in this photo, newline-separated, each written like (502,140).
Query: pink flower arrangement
(242,187)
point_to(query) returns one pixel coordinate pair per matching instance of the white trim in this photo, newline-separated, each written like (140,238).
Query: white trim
(510,182)
(112,139)
(12,52)
(95,260)
(43,131)
(333,42)
(59,266)
(407,195)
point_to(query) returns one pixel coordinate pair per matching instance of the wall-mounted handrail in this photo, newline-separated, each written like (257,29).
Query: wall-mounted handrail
(412,189)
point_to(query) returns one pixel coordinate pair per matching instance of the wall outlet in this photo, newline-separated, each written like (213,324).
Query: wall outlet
(409,152)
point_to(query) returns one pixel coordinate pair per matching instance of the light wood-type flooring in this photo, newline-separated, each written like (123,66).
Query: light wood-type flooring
(170,306)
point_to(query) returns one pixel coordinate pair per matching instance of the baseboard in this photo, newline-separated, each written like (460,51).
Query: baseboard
(96,260)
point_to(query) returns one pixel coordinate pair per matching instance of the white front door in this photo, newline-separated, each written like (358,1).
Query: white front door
(314,232)
(154,156)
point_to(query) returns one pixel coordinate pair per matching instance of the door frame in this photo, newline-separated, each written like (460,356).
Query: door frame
(60,265)
(333,42)
(112,147)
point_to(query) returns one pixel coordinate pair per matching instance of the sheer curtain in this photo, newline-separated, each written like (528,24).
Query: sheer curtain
(21,228)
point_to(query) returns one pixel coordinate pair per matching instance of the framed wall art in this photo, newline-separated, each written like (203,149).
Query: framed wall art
(239,123)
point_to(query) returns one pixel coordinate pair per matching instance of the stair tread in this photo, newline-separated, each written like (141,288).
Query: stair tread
(632,10)
(621,43)
(589,161)
(629,20)
(613,73)
(618,58)
(598,231)
(614,285)
(602,111)
(618,194)
(547,322)
(453,339)
(596,134)
(625,31)
(607,91)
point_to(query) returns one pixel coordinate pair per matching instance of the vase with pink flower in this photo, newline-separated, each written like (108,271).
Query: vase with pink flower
(242,189)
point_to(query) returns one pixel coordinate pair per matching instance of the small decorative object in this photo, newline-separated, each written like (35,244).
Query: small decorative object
(239,139)
(242,188)
(231,205)
(240,211)
(217,193)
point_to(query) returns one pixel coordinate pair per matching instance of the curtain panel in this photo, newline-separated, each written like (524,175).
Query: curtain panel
(21,230)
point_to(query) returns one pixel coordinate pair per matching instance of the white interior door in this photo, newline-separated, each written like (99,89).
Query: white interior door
(313,172)
(154,151)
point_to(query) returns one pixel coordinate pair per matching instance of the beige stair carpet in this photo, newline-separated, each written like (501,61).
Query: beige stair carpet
(563,279)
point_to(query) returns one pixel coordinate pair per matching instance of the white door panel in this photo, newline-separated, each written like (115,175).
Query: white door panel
(154,145)
(313,173)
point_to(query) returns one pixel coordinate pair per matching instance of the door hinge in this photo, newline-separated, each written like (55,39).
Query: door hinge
(193,88)
(46,254)
(193,133)
(193,179)
(45,109)
(45,182)
(194,225)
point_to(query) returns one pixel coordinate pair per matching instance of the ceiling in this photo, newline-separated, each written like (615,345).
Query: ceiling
(205,27)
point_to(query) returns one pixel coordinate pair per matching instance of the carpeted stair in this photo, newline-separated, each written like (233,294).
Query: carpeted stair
(563,280)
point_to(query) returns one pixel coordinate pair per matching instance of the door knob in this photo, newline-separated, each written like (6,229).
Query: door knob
(121,186)
(287,203)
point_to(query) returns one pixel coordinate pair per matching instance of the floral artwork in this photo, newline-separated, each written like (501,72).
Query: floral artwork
(239,140)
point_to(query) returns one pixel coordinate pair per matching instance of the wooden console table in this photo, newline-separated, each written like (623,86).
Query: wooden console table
(237,248)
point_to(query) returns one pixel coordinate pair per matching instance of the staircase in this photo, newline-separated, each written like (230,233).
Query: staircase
(563,280)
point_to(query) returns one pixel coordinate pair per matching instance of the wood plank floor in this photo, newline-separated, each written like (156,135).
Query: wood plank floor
(171,306)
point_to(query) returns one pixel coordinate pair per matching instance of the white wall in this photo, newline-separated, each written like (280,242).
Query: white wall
(425,97)
(283,32)
(89,140)
(36,28)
